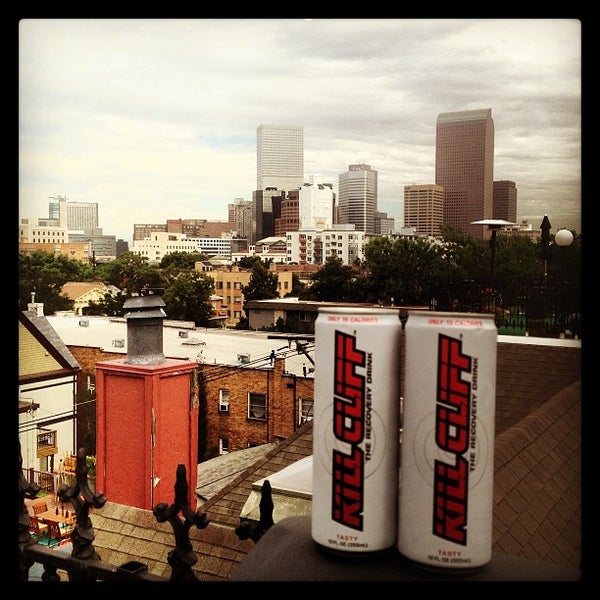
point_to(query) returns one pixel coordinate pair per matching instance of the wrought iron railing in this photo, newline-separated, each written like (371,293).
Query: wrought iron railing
(84,564)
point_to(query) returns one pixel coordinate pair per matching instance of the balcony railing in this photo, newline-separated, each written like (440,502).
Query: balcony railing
(84,563)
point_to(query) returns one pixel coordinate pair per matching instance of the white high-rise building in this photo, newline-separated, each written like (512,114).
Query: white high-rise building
(279,157)
(314,247)
(357,202)
(75,216)
(316,204)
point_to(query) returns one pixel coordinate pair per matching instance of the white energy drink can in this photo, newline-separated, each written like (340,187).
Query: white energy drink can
(356,429)
(447,446)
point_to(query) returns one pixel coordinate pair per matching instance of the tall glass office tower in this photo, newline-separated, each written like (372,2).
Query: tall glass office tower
(464,166)
(357,202)
(279,157)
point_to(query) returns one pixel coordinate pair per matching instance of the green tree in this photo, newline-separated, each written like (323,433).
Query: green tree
(188,298)
(402,269)
(109,305)
(298,287)
(263,285)
(333,283)
(182,261)
(247,262)
(45,274)
(132,274)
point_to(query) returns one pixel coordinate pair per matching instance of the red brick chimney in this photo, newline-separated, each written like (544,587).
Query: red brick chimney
(146,415)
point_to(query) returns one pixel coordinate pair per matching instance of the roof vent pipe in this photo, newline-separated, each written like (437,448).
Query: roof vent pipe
(144,330)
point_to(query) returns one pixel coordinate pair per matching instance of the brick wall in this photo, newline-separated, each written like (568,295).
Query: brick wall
(235,425)
(527,376)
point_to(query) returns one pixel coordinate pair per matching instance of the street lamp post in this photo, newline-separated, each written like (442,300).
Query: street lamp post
(493,225)
(563,238)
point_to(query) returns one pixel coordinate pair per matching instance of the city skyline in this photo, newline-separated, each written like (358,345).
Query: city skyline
(156,119)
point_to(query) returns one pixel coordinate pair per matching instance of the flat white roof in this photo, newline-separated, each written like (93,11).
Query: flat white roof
(183,340)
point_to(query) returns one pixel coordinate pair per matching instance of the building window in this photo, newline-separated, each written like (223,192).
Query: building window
(91,383)
(223,400)
(257,406)
(223,445)
(306,409)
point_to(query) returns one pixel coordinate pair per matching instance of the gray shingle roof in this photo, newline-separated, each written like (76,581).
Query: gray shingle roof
(537,499)
(40,327)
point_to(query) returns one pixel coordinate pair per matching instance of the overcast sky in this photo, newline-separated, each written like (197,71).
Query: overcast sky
(156,119)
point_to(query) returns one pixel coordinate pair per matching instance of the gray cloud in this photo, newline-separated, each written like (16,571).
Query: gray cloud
(156,119)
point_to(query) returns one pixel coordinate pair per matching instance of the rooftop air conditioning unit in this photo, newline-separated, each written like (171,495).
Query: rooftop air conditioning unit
(244,358)
(183,334)
(84,322)
(118,343)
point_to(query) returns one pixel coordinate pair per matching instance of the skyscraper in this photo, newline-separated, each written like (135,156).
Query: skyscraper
(464,166)
(358,197)
(424,208)
(279,157)
(317,204)
(505,200)
(75,216)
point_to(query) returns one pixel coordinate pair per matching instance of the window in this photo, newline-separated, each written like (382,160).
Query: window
(91,383)
(306,406)
(223,445)
(223,400)
(243,358)
(257,406)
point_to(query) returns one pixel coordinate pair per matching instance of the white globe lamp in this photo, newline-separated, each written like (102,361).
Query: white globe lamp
(563,237)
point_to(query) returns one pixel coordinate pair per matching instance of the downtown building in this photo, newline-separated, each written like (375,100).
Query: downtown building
(279,169)
(316,204)
(424,208)
(72,223)
(357,203)
(464,167)
(314,247)
(505,200)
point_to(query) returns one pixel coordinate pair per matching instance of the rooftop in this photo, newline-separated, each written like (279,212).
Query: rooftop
(537,502)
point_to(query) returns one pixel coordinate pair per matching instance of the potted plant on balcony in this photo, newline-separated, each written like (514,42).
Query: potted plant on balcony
(90,462)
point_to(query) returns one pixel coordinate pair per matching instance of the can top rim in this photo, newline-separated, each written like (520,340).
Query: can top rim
(456,315)
(361,310)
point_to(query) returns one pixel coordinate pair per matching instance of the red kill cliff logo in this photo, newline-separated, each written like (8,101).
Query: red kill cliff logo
(452,436)
(349,402)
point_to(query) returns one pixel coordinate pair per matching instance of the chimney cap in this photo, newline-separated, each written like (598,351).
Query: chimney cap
(144,307)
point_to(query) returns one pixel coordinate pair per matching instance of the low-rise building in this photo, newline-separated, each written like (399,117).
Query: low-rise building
(84,292)
(313,246)
(48,375)
(257,389)
(229,282)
